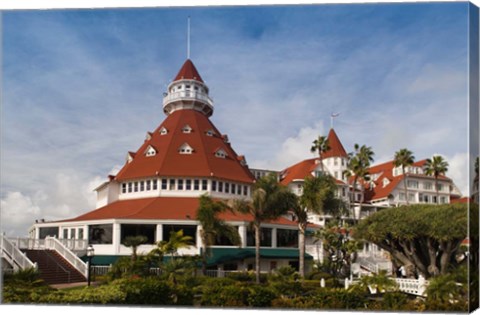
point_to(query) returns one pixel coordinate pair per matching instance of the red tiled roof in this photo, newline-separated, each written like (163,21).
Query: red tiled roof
(301,170)
(461,200)
(386,169)
(188,72)
(201,163)
(336,147)
(161,208)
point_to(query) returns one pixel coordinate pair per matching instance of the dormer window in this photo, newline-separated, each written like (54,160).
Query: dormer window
(163,131)
(150,151)
(210,133)
(185,149)
(225,138)
(220,153)
(385,182)
(187,129)
(130,156)
(148,136)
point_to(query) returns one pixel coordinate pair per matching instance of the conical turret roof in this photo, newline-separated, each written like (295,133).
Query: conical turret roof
(188,72)
(336,147)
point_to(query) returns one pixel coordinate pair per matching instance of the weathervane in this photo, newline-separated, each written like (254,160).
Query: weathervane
(332,117)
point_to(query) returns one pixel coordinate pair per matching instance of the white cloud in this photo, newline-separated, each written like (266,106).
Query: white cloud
(293,149)
(66,196)
(458,171)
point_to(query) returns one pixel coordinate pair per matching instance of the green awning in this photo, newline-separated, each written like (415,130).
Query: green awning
(103,260)
(219,255)
(223,255)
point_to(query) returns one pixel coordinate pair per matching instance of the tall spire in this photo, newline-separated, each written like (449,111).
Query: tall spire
(188,38)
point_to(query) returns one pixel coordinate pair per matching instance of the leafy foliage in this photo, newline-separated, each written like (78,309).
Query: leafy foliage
(418,236)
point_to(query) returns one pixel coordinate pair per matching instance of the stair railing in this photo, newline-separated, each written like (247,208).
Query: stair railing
(14,256)
(67,254)
(58,266)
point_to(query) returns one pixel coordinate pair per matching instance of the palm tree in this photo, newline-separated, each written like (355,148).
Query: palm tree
(176,241)
(134,242)
(357,166)
(318,197)
(404,158)
(269,201)
(321,146)
(436,166)
(212,226)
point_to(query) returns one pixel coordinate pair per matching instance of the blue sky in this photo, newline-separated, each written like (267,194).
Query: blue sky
(82,87)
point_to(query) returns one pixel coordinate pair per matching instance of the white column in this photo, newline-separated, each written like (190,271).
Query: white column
(116,237)
(242,230)
(274,237)
(199,238)
(159,233)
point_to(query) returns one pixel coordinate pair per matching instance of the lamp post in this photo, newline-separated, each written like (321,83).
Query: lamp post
(90,254)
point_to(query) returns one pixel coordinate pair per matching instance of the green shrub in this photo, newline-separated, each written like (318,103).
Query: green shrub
(224,295)
(394,301)
(246,276)
(148,291)
(324,299)
(260,296)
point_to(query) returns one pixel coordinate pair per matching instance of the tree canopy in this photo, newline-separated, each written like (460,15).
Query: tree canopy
(425,237)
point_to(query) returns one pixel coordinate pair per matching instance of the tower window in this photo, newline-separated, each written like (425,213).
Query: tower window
(185,149)
(204,184)
(196,184)
(163,131)
(135,187)
(214,185)
(220,186)
(188,184)
(150,151)
(220,153)
(180,184)
(154,184)
(124,188)
(129,187)
(149,186)
(172,184)
(164,184)
(142,185)
(187,129)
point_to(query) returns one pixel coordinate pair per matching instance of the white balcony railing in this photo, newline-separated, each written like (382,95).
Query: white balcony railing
(187,95)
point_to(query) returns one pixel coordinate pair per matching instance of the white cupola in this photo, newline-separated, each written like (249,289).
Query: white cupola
(187,91)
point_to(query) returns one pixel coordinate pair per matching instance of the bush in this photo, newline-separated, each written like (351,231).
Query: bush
(324,299)
(394,301)
(260,296)
(224,295)
(147,291)
(246,276)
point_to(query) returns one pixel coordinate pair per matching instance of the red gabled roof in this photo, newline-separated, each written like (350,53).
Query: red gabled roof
(201,163)
(188,72)
(164,208)
(336,147)
(386,172)
(300,171)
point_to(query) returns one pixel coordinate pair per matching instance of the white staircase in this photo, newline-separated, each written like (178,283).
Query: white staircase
(14,256)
